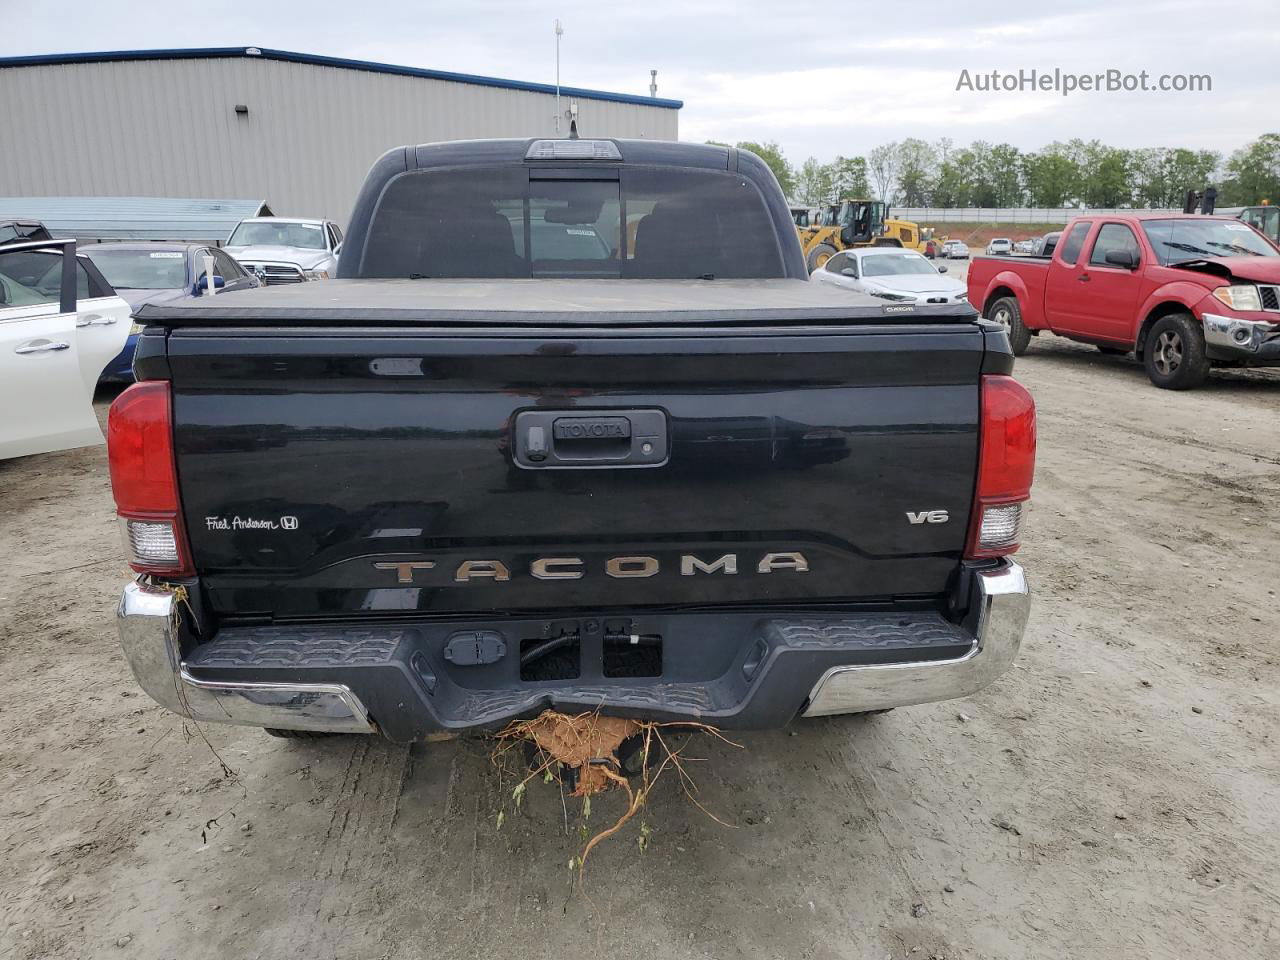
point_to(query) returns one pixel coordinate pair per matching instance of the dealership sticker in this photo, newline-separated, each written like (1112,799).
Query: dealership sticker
(168,255)
(250,523)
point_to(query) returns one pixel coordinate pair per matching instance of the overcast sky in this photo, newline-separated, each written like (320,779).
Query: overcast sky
(820,79)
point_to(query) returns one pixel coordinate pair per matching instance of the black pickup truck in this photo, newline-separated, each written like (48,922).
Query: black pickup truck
(571,430)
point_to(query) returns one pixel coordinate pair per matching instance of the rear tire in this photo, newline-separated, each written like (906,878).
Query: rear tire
(1174,353)
(819,256)
(299,734)
(1008,314)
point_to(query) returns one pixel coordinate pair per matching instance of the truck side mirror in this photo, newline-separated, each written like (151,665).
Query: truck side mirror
(942,269)
(1121,258)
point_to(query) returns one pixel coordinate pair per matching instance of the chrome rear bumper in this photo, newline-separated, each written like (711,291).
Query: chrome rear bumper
(287,696)
(1004,601)
(148,622)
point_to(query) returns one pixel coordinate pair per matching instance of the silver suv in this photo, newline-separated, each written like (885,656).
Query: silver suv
(284,250)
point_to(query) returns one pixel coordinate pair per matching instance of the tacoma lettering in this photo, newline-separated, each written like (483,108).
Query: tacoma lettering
(573,568)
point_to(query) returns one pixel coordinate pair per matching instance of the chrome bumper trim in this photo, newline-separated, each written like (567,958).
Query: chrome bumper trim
(1004,601)
(1230,335)
(148,623)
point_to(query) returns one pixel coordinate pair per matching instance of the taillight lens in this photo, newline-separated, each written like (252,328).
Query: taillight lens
(1006,465)
(144,479)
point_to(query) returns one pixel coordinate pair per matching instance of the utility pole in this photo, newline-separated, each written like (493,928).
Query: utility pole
(559,34)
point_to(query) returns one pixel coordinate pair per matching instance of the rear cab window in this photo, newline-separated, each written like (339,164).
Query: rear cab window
(518,221)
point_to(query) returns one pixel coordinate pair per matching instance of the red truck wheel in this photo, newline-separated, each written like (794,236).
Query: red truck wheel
(1006,312)
(1174,354)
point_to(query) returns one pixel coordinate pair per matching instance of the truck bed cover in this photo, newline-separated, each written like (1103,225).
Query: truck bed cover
(544,302)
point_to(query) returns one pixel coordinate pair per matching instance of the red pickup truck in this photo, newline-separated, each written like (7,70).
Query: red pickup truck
(1182,292)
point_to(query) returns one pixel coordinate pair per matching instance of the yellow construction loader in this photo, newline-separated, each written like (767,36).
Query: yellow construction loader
(855,223)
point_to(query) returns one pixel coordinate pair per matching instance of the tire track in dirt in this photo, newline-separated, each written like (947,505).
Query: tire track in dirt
(354,853)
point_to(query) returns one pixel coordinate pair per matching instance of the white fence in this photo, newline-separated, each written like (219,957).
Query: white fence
(1000,214)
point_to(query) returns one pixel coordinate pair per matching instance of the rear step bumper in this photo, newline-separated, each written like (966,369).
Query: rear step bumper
(733,670)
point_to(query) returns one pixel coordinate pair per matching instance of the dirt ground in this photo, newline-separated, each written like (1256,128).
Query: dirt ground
(1117,794)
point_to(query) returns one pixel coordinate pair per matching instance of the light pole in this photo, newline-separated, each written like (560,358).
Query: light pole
(559,34)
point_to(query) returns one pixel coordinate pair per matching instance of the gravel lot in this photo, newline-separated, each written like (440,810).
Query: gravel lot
(1117,794)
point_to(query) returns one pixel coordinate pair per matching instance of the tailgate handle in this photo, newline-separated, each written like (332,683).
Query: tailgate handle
(575,439)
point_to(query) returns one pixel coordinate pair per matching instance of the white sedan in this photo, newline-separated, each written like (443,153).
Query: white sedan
(60,323)
(891,273)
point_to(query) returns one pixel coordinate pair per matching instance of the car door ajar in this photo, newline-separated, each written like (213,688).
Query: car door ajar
(103,321)
(44,403)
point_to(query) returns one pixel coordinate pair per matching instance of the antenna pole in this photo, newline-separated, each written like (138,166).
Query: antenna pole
(559,34)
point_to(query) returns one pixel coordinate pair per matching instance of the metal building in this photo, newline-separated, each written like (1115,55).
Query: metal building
(91,219)
(298,129)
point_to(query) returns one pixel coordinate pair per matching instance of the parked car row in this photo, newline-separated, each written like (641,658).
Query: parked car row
(60,335)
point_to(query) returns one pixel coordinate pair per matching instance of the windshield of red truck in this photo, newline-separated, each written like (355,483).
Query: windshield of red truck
(1195,238)
(516,222)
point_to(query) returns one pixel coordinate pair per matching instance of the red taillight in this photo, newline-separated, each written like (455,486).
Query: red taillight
(1006,465)
(144,479)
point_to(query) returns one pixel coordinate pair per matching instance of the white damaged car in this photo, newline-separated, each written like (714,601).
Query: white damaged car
(891,273)
(60,323)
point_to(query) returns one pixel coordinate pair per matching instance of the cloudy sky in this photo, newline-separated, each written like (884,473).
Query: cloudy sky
(820,79)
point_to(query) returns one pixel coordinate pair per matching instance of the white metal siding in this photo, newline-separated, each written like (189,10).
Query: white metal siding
(169,127)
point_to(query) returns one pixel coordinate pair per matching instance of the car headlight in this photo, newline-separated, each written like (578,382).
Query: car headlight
(1242,296)
(315,274)
(136,328)
(886,295)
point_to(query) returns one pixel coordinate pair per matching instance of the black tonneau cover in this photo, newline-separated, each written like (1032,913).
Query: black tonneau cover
(544,302)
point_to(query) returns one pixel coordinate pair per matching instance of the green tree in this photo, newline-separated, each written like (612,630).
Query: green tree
(917,170)
(1162,176)
(814,183)
(774,159)
(1254,172)
(1004,175)
(1104,173)
(1149,182)
(882,164)
(1052,176)
(849,177)
(1188,170)
(952,187)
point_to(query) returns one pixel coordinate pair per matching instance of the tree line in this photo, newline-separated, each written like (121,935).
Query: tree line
(920,173)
